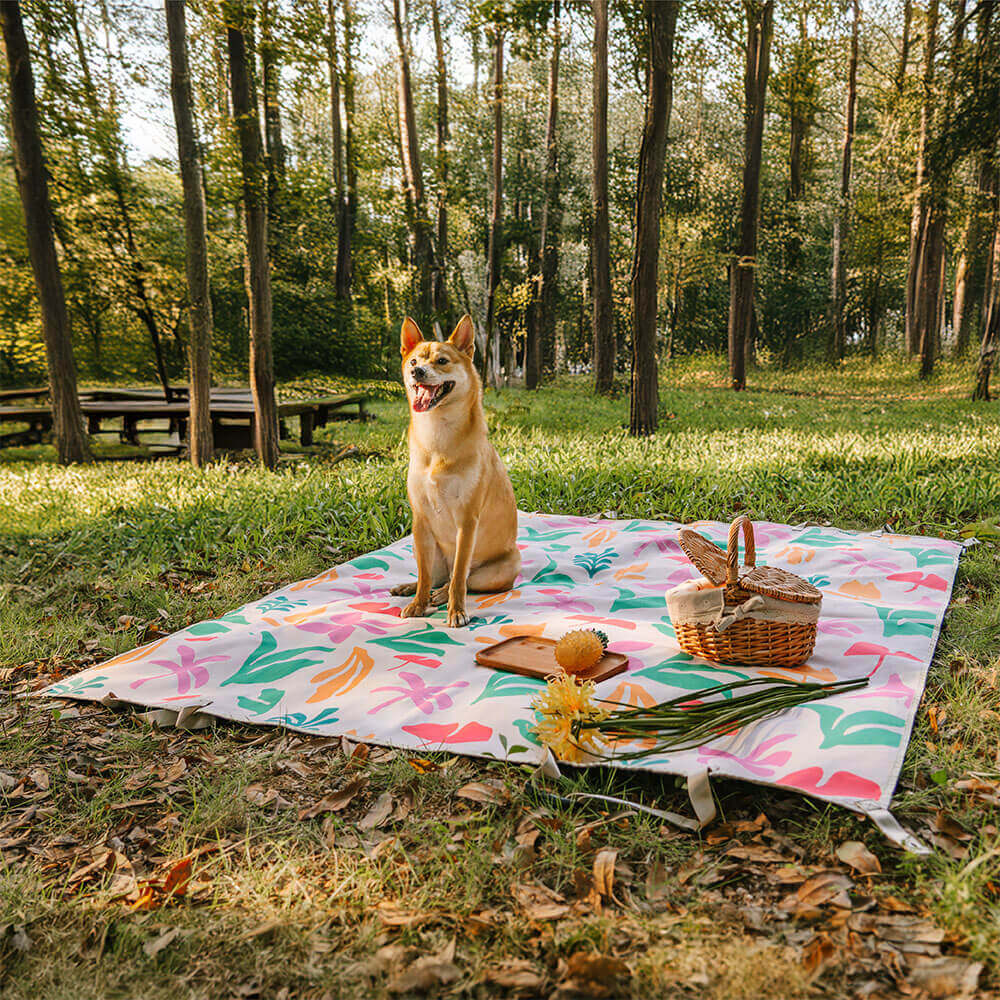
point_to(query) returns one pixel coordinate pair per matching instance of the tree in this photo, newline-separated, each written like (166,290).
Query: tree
(257,270)
(443,137)
(991,333)
(760,18)
(422,245)
(196,244)
(841,219)
(494,251)
(604,339)
(271,78)
(32,183)
(919,220)
(343,272)
(661,23)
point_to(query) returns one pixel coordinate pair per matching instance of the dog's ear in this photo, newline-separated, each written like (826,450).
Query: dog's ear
(409,337)
(464,336)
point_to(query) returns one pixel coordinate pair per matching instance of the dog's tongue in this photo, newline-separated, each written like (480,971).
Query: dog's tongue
(423,396)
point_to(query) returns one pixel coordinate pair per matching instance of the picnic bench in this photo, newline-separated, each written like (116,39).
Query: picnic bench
(232,414)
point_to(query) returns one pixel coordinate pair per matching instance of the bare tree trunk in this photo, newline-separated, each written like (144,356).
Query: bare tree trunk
(661,23)
(841,220)
(32,184)
(196,245)
(918,222)
(271,78)
(758,59)
(495,250)
(551,217)
(604,338)
(258,274)
(413,180)
(441,306)
(342,281)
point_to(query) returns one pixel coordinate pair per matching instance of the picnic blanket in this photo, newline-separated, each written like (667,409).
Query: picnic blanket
(331,655)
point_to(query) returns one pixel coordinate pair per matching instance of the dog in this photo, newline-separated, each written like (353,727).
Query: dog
(464,512)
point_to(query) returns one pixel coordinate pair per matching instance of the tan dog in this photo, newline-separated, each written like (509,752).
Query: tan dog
(464,513)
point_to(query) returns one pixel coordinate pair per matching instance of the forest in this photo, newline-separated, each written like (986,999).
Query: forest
(603,186)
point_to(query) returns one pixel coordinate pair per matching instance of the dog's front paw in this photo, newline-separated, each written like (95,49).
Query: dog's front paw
(457,618)
(440,596)
(404,590)
(414,610)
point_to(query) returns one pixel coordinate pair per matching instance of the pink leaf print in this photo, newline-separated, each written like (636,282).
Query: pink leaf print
(755,762)
(420,661)
(188,669)
(873,649)
(434,733)
(918,579)
(895,688)
(372,608)
(839,626)
(561,601)
(424,696)
(841,784)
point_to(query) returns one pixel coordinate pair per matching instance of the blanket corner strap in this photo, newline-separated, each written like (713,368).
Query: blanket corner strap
(891,828)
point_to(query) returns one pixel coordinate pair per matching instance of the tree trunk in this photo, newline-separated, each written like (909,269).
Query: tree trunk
(422,246)
(196,245)
(345,266)
(271,78)
(491,360)
(342,281)
(441,306)
(604,338)
(918,222)
(741,315)
(991,333)
(904,48)
(551,219)
(841,220)
(32,184)
(258,274)
(661,23)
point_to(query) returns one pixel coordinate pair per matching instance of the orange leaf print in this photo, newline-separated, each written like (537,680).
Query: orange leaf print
(513,630)
(326,577)
(488,600)
(634,572)
(796,554)
(821,674)
(861,591)
(599,536)
(630,693)
(134,654)
(343,678)
(297,617)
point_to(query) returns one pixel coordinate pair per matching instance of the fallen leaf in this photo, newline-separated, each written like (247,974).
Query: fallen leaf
(515,974)
(539,902)
(336,802)
(379,813)
(947,977)
(656,882)
(825,887)
(392,916)
(817,953)
(489,792)
(592,975)
(427,973)
(604,873)
(855,855)
(40,778)
(176,882)
(153,947)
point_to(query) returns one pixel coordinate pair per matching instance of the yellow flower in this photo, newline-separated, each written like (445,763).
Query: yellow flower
(562,702)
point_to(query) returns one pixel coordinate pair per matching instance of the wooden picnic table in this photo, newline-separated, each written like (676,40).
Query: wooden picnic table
(232,415)
(32,392)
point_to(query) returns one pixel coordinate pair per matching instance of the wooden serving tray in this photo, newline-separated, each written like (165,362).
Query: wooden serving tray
(535,656)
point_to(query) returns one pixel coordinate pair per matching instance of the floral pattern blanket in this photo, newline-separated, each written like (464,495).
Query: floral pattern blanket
(332,656)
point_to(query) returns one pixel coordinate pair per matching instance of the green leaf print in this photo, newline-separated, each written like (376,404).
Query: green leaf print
(906,621)
(858,728)
(264,702)
(628,599)
(548,574)
(268,663)
(501,685)
(416,642)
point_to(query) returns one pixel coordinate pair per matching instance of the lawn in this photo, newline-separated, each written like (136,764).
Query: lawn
(444,874)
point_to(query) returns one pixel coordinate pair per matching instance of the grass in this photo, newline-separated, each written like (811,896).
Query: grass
(94,560)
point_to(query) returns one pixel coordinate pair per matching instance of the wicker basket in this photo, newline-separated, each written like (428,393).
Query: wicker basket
(757,616)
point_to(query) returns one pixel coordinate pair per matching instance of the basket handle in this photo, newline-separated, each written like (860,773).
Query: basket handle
(733,549)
